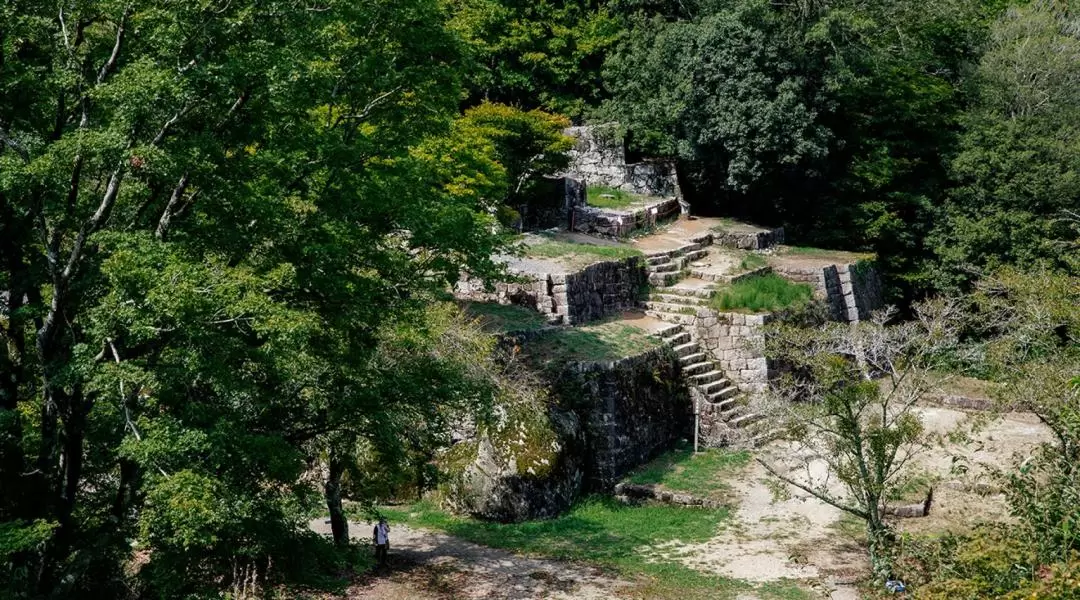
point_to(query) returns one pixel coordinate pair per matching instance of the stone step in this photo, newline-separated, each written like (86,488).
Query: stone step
(696,255)
(690,359)
(678,340)
(664,279)
(698,367)
(726,393)
(657,259)
(682,309)
(687,248)
(667,267)
(715,386)
(744,420)
(668,330)
(673,299)
(705,239)
(707,275)
(671,317)
(702,293)
(724,405)
(686,349)
(707,377)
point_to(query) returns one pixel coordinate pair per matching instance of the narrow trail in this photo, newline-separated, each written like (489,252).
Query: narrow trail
(447,567)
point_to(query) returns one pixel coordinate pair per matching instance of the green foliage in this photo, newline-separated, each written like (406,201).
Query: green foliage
(1017,171)
(527,144)
(701,474)
(534,54)
(762,293)
(218,238)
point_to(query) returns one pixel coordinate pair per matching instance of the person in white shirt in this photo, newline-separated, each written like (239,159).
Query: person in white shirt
(381,537)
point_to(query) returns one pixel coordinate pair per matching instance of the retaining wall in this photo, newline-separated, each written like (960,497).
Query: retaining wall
(621,223)
(599,158)
(599,290)
(852,291)
(731,339)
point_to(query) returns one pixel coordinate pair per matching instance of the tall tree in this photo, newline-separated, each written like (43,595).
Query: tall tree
(206,213)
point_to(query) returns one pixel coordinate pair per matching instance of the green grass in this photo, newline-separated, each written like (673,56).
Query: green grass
(824,253)
(752,261)
(560,249)
(604,532)
(592,343)
(704,474)
(607,197)
(763,293)
(504,317)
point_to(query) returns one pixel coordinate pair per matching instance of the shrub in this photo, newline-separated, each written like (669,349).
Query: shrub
(763,293)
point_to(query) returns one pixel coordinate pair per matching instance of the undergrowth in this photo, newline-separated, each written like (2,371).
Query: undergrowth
(763,293)
(504,317)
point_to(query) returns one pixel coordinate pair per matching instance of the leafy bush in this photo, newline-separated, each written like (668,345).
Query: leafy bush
(763,293)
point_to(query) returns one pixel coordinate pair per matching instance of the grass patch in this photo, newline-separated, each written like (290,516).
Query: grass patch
(763,293)
(703,474)
(592,343)
(752,261)
(601,531)
(497,317)
(826,254)
(560,249)
(602,196)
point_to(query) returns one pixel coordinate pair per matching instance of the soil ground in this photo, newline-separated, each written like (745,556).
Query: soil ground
(428,565)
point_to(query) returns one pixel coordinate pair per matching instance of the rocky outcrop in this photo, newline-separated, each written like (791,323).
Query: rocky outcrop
(533,462)
(526,465)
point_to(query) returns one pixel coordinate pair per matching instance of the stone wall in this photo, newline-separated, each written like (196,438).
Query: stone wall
(630,410)
(749,240)
(852,291)
(621,223)
(603,420)
(599,290)
(550,203)
(599,158)
(730,339)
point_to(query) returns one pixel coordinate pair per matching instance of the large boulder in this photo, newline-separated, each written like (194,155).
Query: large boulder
(525,465)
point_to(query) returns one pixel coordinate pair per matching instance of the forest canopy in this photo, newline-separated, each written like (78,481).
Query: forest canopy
(227,228)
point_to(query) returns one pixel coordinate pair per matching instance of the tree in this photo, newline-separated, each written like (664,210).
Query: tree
(527,144)
(205,221)
(1017,172)
(535,54)
(848,401)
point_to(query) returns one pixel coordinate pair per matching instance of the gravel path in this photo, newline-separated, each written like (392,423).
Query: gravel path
(477,571)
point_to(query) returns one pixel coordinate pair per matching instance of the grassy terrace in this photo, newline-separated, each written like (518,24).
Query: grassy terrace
(614,536)
(764,293)
(501,318)
(839,256)
(559,249)
(591,343)
(704,474)
(608,197)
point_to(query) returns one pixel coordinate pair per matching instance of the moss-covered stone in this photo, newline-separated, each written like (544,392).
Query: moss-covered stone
(526,464)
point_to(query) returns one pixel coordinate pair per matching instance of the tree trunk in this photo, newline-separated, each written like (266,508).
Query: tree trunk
(332,490)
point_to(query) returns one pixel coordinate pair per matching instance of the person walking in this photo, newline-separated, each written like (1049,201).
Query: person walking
(381,537)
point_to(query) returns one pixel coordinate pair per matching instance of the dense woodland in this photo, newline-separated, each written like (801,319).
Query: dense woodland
(227,229)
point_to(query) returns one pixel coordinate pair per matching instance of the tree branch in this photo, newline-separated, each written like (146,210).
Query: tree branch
(815,493)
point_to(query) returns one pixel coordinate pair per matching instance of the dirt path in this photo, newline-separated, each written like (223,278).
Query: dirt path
(429,565)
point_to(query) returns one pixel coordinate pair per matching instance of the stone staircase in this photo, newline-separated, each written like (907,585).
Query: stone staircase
(666,267)
(722,399)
